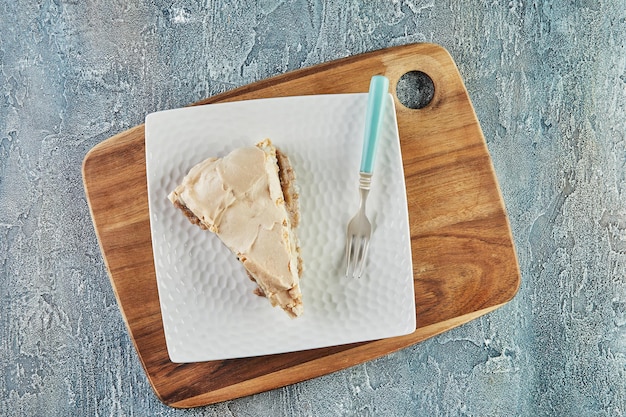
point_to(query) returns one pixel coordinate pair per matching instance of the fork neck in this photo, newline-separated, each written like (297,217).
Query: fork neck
(365,181)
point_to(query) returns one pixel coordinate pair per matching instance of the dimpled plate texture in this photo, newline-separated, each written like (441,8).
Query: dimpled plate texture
(207,302)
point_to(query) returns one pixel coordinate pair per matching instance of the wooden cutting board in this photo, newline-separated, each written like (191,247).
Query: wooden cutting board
(464,262)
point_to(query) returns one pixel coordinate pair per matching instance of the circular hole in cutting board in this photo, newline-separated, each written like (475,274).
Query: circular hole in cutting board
(415,90)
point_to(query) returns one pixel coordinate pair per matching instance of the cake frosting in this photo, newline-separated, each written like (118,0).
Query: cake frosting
(241,199)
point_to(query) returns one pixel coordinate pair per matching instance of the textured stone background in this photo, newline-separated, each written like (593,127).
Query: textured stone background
(548,81)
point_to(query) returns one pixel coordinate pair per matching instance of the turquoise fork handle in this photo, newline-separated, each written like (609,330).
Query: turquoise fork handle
(379,86)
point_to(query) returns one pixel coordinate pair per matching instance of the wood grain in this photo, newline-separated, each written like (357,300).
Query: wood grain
(464,262)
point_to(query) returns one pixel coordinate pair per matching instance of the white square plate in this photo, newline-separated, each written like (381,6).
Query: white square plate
(207,301)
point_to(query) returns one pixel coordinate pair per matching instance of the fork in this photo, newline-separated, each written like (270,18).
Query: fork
(359,228)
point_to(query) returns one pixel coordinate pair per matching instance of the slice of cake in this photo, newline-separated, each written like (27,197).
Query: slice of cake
(248,199)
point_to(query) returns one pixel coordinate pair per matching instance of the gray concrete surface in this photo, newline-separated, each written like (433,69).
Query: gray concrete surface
(548,81)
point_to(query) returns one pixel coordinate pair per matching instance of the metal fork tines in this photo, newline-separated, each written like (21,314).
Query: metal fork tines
(359,232)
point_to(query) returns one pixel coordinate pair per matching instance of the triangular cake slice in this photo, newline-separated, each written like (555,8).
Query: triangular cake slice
(248,199)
